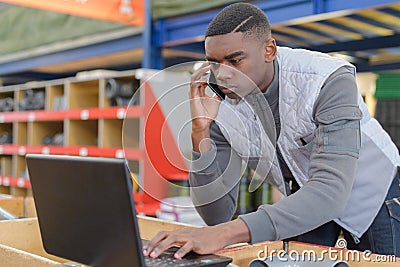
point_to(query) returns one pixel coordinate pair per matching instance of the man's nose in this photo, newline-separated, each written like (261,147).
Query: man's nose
(224,73)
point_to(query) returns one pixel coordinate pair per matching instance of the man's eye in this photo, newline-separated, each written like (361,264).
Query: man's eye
(235,61)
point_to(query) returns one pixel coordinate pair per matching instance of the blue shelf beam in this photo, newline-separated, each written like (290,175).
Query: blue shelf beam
(152,52)
(19,78)
(360,45)
(378,67)
(93,50)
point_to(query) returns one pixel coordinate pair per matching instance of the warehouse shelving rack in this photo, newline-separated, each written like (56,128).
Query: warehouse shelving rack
(90,127)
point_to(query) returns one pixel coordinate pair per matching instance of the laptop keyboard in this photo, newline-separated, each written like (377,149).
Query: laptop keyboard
(166,259)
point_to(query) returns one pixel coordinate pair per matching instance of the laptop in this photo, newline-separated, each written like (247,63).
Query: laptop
(86,213)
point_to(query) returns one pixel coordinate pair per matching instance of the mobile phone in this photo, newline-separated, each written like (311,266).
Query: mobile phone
(212,83)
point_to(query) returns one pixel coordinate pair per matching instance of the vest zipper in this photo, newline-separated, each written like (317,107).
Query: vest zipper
(355,238)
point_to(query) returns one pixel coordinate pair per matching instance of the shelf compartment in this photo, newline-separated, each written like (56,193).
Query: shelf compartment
(31,99)
(81,133)
(84,94)
(19,166)
(44,133)
(4,189)
(118,91)
(6,170)
(55,98)
(20,133)
(6,127)
(6,165)
(7,101)
(18,170)
(131,133)
(6,133)
(110,133)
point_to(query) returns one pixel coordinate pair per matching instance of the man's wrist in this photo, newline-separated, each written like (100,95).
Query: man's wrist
(235,231)
(201,140)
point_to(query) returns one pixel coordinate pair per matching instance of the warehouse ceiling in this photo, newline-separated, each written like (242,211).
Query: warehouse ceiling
(367,37)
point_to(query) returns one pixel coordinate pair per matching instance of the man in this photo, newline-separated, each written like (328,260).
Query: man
(335,164)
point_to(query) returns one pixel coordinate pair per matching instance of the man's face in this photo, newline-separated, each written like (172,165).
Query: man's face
(243,64)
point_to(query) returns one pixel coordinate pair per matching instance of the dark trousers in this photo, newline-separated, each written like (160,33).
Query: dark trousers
(382,237)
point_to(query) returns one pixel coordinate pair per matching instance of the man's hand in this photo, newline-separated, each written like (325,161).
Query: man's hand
(196,239)
(203,108)
(203,240)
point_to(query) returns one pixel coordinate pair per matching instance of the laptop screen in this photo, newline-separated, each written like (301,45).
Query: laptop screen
(85,209)
(86,213)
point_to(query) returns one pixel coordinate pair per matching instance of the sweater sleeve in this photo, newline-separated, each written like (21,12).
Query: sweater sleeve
(214,179)
(332,167)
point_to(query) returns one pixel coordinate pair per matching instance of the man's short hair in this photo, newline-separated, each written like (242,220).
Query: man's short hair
(240,17)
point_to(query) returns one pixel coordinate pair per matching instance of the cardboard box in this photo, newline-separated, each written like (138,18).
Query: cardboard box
(18,206)
(13,204)
(22,245)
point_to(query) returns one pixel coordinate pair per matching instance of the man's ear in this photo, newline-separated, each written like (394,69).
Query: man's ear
(270,50)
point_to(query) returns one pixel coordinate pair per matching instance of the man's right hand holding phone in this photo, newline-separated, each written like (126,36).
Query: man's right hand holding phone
(203,108)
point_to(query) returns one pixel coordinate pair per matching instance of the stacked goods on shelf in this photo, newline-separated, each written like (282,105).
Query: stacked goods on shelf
(32,100)
(6,104)
(121,92)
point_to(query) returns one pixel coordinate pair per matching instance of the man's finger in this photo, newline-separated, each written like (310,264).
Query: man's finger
(200,72)
(169,241)
(215,96)
(185,249)
(147,250)
(198,81)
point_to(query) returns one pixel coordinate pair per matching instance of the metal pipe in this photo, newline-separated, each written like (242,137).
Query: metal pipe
(5,215)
